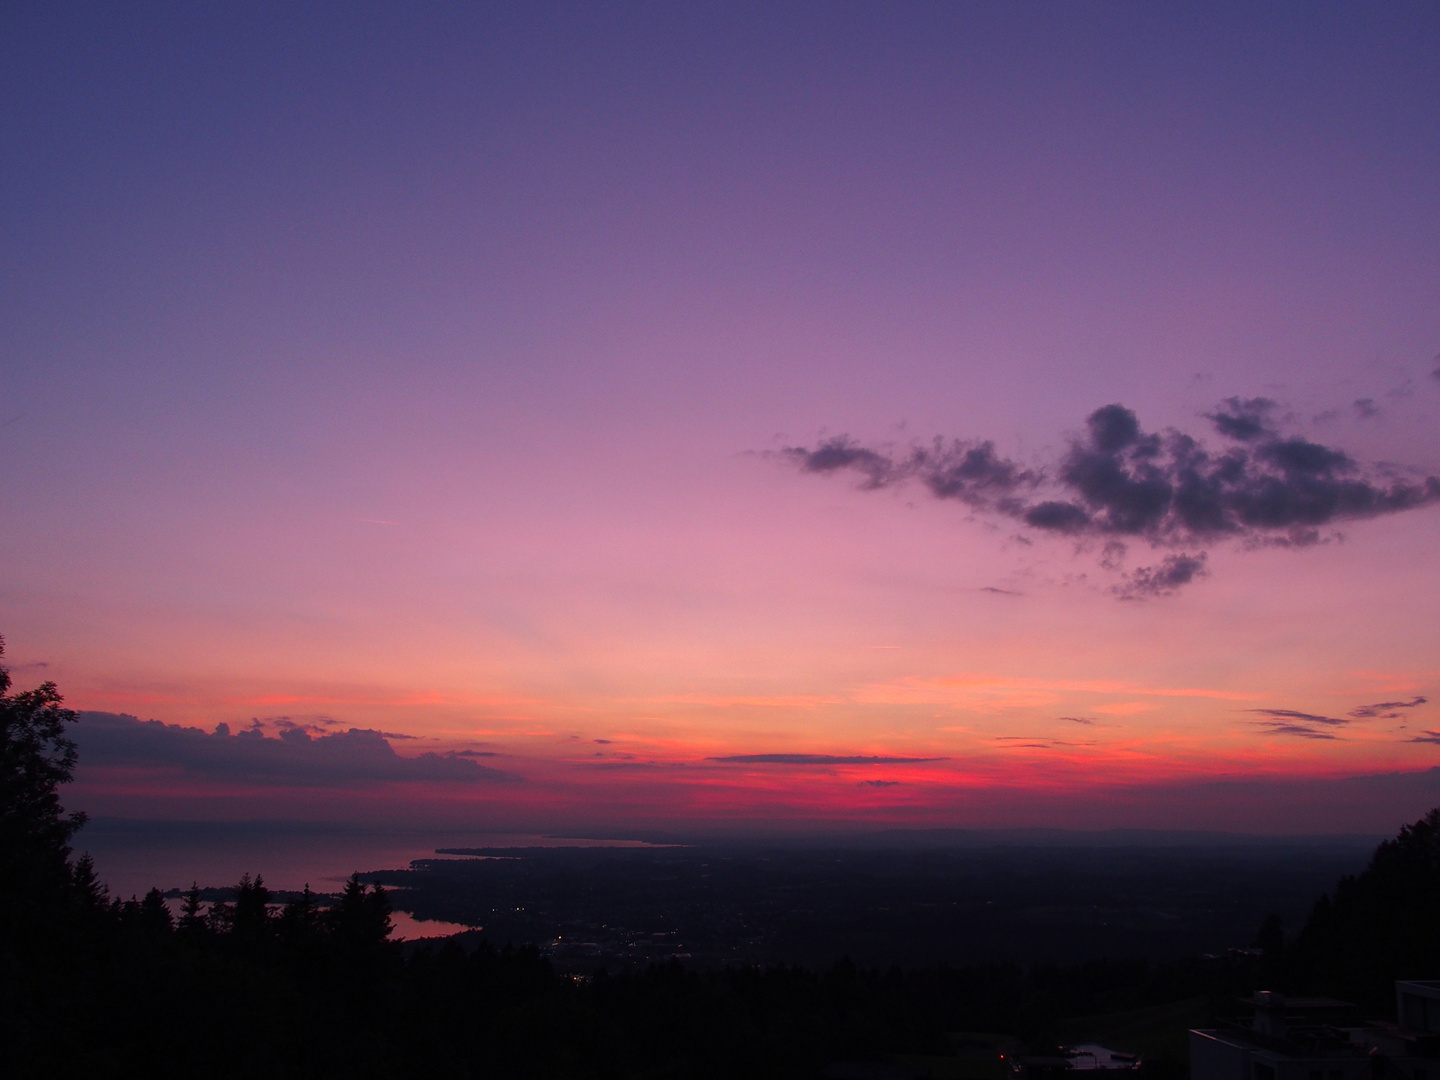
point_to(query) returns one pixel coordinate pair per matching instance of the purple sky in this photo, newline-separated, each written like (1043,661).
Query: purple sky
(431,371)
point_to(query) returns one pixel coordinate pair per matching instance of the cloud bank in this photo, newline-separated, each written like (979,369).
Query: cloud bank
(294,757)
(1118,482)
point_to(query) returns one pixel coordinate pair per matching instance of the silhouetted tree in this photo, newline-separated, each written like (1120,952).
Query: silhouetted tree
(88,893)
(127,914)
(361,920)
(192,915)
(220,917)
(1382,924)
(155,917)
(50,911)
(35,832)
(300,923)
(250,917)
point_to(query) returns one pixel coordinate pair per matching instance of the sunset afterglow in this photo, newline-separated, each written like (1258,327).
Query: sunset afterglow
(636,420)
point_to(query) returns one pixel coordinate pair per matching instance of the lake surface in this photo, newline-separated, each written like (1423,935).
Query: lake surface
(131,856)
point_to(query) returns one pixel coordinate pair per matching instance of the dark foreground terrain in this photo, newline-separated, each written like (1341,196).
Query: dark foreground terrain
(709,906)
(959,954)
(313,987)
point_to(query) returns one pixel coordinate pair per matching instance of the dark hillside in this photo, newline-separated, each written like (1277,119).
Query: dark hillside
(1378,926)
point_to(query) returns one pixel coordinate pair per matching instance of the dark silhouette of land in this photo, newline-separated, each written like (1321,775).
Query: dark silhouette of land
(741,904)
(242,985)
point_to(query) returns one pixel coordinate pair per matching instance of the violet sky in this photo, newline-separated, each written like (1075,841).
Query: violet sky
(450,370)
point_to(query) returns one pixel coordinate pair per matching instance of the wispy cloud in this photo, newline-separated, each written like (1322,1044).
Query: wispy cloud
(820,759)
(1302,717)
(1174,572)
(1302,725)
(1036,742)
(1386,710)
(1298,730)
(1317,726)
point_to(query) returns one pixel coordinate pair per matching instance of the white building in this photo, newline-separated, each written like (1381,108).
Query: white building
(1310,1039)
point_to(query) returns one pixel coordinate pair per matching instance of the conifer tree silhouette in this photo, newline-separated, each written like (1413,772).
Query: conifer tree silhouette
(35,832)
(192,914)
(361,920)
(250,918)
(155,917)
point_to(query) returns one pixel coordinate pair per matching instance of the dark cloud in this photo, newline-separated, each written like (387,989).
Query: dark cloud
(1113,428)
(1000,592)
(1299,730)
(840,453)
(819,759)
(1168,489)
(1313,726)
(477,753)
(1037,742)
(294,757)
(1077,719)
(1386,710)
(1244,420)
(1302,717)
(971,472)
(1300,724)
(1365,408)
(314,724)
(1174,572)
(1302,458)
(602,742)
(1426,736)
(628,763)
(285,723)
(1061,517)
(879,783)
